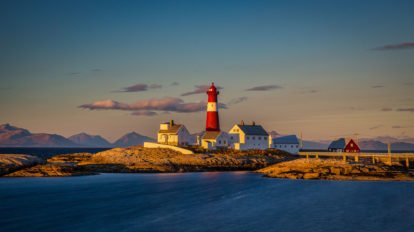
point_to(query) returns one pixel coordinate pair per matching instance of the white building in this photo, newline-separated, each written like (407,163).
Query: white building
(245,137)
(213,140)
(174,134)
(289,143)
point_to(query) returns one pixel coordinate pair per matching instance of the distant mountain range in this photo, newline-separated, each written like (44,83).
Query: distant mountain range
(11,136)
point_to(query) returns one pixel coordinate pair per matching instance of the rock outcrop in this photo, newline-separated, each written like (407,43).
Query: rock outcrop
(140,159)
(331,169)
(13,162)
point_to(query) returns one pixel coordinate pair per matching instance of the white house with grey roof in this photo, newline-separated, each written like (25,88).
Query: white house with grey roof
(245,137)
(289,143)
(212,140)
(174,134)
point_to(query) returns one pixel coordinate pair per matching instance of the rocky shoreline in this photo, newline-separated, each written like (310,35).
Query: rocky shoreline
(332,169)
(149,160)
(272,163)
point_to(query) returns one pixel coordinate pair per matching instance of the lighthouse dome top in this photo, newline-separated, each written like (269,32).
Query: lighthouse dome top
(212,88)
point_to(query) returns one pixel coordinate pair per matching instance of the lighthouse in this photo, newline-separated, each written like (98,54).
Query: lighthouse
(212,122)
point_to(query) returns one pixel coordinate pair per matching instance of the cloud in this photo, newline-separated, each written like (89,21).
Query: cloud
(140,87)
(96,70)
(375,127)
(175,83)
(398,127)
(74,73)
(237,100)
(377,86)
(144,113)
(155,86)
(406,110)
(170,104)
(399,46)
(199,89)
(386,109)
(264,88)
(309,91)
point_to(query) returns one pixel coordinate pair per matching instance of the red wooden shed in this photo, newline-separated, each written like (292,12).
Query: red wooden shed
(351,146)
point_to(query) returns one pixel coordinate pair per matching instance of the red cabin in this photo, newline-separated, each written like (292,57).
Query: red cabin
(352,147)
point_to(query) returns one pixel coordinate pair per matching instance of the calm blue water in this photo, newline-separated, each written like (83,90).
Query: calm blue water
(233,201)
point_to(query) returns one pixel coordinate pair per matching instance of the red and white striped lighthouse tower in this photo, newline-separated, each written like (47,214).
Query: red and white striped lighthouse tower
(212,122)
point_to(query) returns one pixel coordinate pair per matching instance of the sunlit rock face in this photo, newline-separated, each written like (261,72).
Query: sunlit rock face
(331,169)
(13,162)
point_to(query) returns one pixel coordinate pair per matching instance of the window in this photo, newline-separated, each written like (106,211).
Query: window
(231,137)
(291,146)
(253,137)
(219,141)
(260,138)
(247,137)
(265,138)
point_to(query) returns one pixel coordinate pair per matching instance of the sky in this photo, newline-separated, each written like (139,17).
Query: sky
(326,69)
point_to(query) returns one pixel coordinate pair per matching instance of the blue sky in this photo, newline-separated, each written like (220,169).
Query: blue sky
(325,56)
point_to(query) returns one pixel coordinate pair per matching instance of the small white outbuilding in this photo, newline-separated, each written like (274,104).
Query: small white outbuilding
(174,134)
(289,143)
(212,140)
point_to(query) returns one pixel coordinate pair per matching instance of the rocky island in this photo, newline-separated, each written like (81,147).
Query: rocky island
(137,159)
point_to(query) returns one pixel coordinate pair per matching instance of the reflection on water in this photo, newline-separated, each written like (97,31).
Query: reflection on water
(214,201)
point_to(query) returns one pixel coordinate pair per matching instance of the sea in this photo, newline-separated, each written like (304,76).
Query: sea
(203,201)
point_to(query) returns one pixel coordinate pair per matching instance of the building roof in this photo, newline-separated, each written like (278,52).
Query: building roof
(253,129)
(338,144)
(171,130)
(289,139)
(211,134)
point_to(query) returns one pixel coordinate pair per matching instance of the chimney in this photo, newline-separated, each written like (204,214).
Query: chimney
(242,122)
(253,123)
(171,123)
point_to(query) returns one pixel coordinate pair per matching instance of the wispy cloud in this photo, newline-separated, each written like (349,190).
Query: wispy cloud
(406,109)
(398,46)
(237,100)
(398,127)
(377,86)
(264,88)
(96,70)
(175,83)
(375,127)
(144,113)
(169,104)
(140,88)
(74,73)
(386,109)
(311,91)
(199,89)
